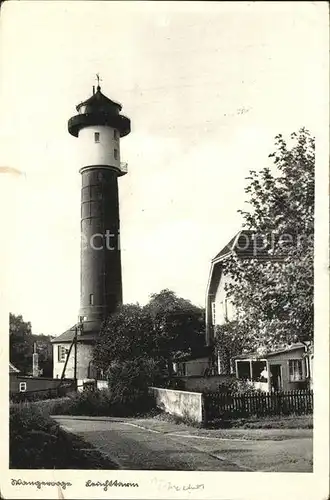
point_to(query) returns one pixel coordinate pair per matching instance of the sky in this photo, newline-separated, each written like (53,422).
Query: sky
(207,86)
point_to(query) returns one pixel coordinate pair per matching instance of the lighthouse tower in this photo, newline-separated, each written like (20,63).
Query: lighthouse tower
(99,126)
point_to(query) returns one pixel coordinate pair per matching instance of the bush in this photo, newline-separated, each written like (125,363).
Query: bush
(104,403)
(237,386)
(129,384)
(37,442)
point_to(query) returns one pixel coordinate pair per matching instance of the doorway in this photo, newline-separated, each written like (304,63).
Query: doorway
(276,377)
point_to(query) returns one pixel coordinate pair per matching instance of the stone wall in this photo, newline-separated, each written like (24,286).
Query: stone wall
(188,405)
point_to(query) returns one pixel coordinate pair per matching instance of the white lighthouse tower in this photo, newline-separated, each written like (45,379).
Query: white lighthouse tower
(98,126)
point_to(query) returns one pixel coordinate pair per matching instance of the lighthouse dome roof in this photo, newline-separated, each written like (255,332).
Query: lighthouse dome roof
(99,103)
(99,110)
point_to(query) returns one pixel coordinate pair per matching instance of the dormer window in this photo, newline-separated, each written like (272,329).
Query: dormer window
(96,136)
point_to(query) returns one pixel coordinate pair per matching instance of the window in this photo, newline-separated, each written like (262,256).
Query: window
(115,135)
(97,136)
(115,154)
(22,386)
(61,353)
(213,312)
(181,369)
(91,299)
(226,308)
(295,370)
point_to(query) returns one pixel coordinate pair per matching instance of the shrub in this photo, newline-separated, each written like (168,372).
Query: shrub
(237,386)
(129,383)
(104,403)
(37,442)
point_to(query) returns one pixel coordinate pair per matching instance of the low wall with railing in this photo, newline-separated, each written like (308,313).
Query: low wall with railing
(207,407)
(184,404)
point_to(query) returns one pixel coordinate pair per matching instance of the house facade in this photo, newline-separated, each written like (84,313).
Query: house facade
(70,361)
(219,308)
(286,369)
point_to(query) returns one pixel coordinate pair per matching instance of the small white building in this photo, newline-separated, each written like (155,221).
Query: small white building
(76,361)
(285,369)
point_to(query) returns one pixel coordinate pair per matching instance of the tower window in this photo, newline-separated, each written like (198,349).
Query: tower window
(91,299)
(115,135)
(97,136)
(115,154)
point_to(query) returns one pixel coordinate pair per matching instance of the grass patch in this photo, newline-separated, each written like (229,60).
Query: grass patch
(275,422)
(162,416)
(280,422)
(38,442)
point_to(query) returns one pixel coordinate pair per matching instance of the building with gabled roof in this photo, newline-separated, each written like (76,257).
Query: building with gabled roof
(246,244)
(13,369)
(289,366)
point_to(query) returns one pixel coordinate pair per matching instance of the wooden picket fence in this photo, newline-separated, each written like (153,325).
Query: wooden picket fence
(227,406)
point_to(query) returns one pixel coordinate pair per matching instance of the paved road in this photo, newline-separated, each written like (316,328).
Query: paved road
(132,447)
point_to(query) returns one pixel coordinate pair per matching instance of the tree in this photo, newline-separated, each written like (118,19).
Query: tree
(165,326)
(21,346)
(274,297)
(125,335)
(22,342)
(229,343)
(126,353)
(179,325)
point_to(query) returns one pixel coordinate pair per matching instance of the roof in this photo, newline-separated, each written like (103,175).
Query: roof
(69,334)
(99,103)
(245,244)
(256,355)
(99,110)
(13,369)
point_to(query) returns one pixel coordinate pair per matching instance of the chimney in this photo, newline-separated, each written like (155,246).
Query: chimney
(35,361)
